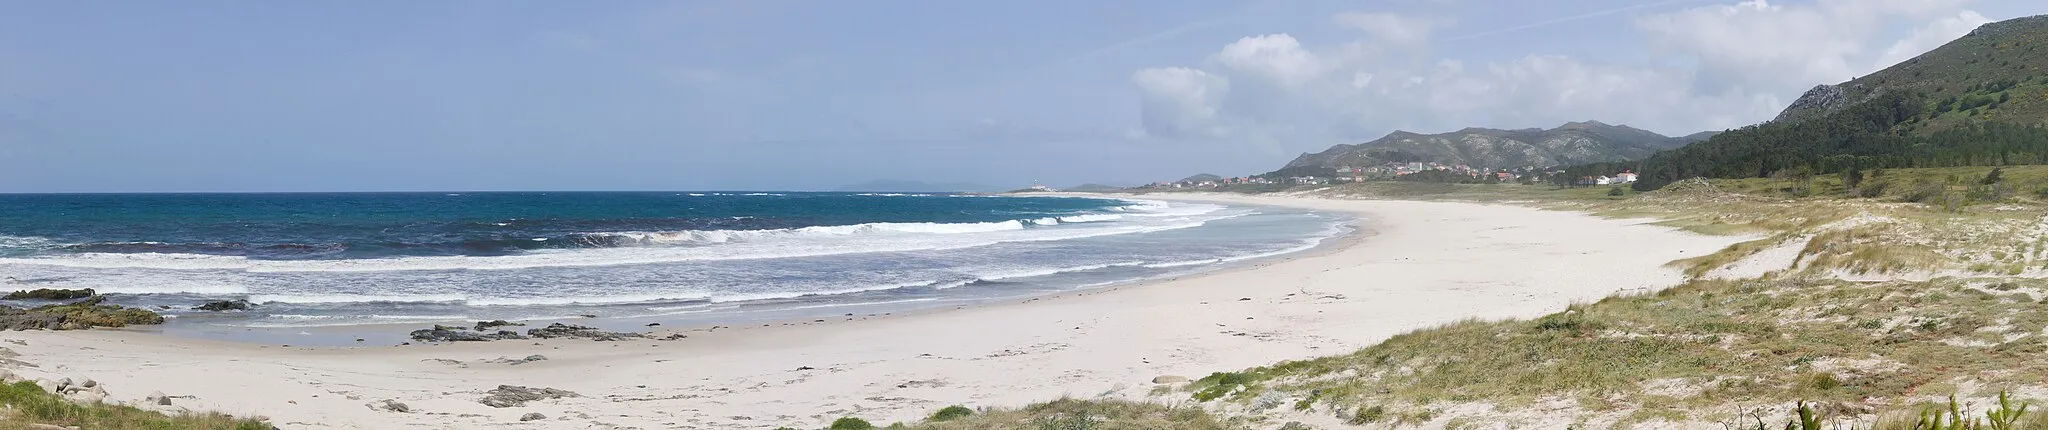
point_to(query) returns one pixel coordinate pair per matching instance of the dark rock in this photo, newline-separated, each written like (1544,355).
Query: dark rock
(442,333)
(487,325)
(653,324)
(532,416)
(559,330)
(225,305)
(517,361)
(506,396)
(84,314)
(50,294)
(390,405)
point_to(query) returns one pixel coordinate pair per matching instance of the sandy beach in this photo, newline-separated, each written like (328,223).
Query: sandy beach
(1413,265)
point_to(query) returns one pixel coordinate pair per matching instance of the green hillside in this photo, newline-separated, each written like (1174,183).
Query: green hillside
(1979,100)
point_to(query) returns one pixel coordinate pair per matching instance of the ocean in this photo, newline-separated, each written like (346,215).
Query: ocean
(321,261)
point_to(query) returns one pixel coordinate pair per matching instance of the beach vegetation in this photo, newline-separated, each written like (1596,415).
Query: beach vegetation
(28,405)
(950,413)
(851,423)
(1077,414)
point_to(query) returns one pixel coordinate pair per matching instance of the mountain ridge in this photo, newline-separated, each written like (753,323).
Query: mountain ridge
(1574,142)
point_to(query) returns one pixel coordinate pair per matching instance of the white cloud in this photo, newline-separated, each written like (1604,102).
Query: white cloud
(1180,102)
(1743,62)
(1779,47)
(1392,29)
(1931,36)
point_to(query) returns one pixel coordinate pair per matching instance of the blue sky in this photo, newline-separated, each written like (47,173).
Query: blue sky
(490,95)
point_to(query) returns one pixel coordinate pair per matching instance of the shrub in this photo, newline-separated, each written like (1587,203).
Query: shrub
(1223,384)
(1616,192)
(951,413)
(851,423)
(1872,189)
(1368,415)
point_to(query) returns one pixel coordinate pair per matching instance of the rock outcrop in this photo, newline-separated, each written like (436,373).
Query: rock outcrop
(506,396)
(50,294)
(84,314)
(443,333)
(559,330)
(225,305)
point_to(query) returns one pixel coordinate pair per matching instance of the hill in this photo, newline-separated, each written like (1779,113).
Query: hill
(890,185)
(1572,143)
(1977,100)
(1202,178)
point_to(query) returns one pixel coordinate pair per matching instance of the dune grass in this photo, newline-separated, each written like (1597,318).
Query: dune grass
(27,404)
(1062,414)
(1686,353)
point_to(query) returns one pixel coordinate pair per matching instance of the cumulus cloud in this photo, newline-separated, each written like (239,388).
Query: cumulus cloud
(1388,28)
(1180,102)
(1745,62)
(1931,36)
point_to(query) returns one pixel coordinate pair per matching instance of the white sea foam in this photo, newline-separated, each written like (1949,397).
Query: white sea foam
(354,298)
(1090,218)
(1037,272)
(590,300)
(687,246)
(26,242)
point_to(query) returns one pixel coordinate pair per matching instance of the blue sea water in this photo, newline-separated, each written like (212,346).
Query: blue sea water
(690,258)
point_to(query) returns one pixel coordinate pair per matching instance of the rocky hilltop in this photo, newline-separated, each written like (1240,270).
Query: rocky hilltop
(1571,143)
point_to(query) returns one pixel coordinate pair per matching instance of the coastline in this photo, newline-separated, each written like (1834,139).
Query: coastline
(1406,265)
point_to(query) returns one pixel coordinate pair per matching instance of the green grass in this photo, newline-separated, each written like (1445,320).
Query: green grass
(26,404)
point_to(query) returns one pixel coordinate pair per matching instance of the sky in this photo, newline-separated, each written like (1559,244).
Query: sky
(388,95)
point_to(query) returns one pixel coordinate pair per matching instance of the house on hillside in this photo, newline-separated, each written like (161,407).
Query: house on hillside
(1625,177)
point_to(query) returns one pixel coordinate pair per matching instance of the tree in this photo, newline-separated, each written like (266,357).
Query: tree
(1852,179)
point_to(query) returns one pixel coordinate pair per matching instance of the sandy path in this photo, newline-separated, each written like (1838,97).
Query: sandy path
(1422,264)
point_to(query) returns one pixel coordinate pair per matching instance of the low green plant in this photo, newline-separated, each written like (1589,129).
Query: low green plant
(950,413)
(1368,415)
(851,423)
(1952,417)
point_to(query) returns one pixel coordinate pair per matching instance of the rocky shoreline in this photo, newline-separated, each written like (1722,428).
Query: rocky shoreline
(486,331)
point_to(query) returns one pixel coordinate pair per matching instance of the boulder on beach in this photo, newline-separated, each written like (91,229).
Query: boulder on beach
(225,305)
(506,396)
(389,405)
(50,294)
(532,416)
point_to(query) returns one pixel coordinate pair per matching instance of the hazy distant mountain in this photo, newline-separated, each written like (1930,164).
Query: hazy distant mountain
(886,185)
(1202,178)
(1094,188)
(1572,143)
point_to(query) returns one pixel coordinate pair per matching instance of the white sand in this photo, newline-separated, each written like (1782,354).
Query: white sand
(1421,264)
